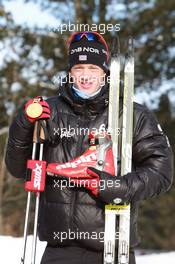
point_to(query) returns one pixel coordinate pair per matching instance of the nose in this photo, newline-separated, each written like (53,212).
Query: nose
(86,72)
(86,75)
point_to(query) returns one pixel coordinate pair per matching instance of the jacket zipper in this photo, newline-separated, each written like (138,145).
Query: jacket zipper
(74,193)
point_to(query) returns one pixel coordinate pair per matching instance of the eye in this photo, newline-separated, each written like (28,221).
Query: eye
(93,68)
(77,67)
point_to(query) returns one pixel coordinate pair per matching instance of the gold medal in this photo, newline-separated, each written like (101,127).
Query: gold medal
(34,110)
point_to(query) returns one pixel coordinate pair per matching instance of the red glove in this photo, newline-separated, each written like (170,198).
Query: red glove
(36,109)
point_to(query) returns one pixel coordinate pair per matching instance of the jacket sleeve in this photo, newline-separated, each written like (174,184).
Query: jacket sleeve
(153,162)
(19,145)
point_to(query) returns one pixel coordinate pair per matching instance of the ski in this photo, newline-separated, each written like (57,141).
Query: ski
(113,125)
(118,209)
(126,150)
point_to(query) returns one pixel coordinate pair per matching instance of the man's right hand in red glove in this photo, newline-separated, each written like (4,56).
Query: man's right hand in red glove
(36,109)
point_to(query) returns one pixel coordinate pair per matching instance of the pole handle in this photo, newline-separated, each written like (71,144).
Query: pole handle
(39,131)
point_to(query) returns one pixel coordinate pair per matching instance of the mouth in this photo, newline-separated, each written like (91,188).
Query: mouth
(86,85)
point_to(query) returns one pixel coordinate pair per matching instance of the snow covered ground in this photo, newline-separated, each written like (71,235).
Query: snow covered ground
(10,253)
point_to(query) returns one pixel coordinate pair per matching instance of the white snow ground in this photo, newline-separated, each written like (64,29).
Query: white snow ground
(10,253)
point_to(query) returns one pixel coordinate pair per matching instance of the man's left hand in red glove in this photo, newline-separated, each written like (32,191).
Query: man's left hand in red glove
(109,187)
(124,188)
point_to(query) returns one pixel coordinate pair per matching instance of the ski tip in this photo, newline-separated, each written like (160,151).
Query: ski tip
(115,46)
(130,45)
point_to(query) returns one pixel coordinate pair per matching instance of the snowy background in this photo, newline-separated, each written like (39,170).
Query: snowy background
(21,13)
(11,254)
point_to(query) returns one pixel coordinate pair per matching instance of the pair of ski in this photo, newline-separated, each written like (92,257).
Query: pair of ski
(118,209)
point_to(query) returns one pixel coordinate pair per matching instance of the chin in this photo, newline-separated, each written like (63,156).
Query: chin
(87,90)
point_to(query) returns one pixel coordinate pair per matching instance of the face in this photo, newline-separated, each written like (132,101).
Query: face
(87,77)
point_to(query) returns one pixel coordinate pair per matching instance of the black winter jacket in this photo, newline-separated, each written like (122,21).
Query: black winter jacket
(76,209)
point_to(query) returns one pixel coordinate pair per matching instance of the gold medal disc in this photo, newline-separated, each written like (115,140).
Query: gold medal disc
(34,110)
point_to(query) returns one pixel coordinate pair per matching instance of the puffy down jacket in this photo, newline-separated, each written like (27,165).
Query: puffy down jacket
(73,216)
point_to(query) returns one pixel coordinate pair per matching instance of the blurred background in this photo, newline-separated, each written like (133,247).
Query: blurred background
(33,54)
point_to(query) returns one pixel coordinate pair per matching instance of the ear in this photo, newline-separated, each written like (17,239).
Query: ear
(69,76)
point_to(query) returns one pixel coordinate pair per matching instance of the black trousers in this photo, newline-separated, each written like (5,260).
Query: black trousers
(75,255)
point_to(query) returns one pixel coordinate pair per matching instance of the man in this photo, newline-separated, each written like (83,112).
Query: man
(83,103)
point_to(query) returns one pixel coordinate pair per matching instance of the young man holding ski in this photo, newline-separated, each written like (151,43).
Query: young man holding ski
(67,212)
